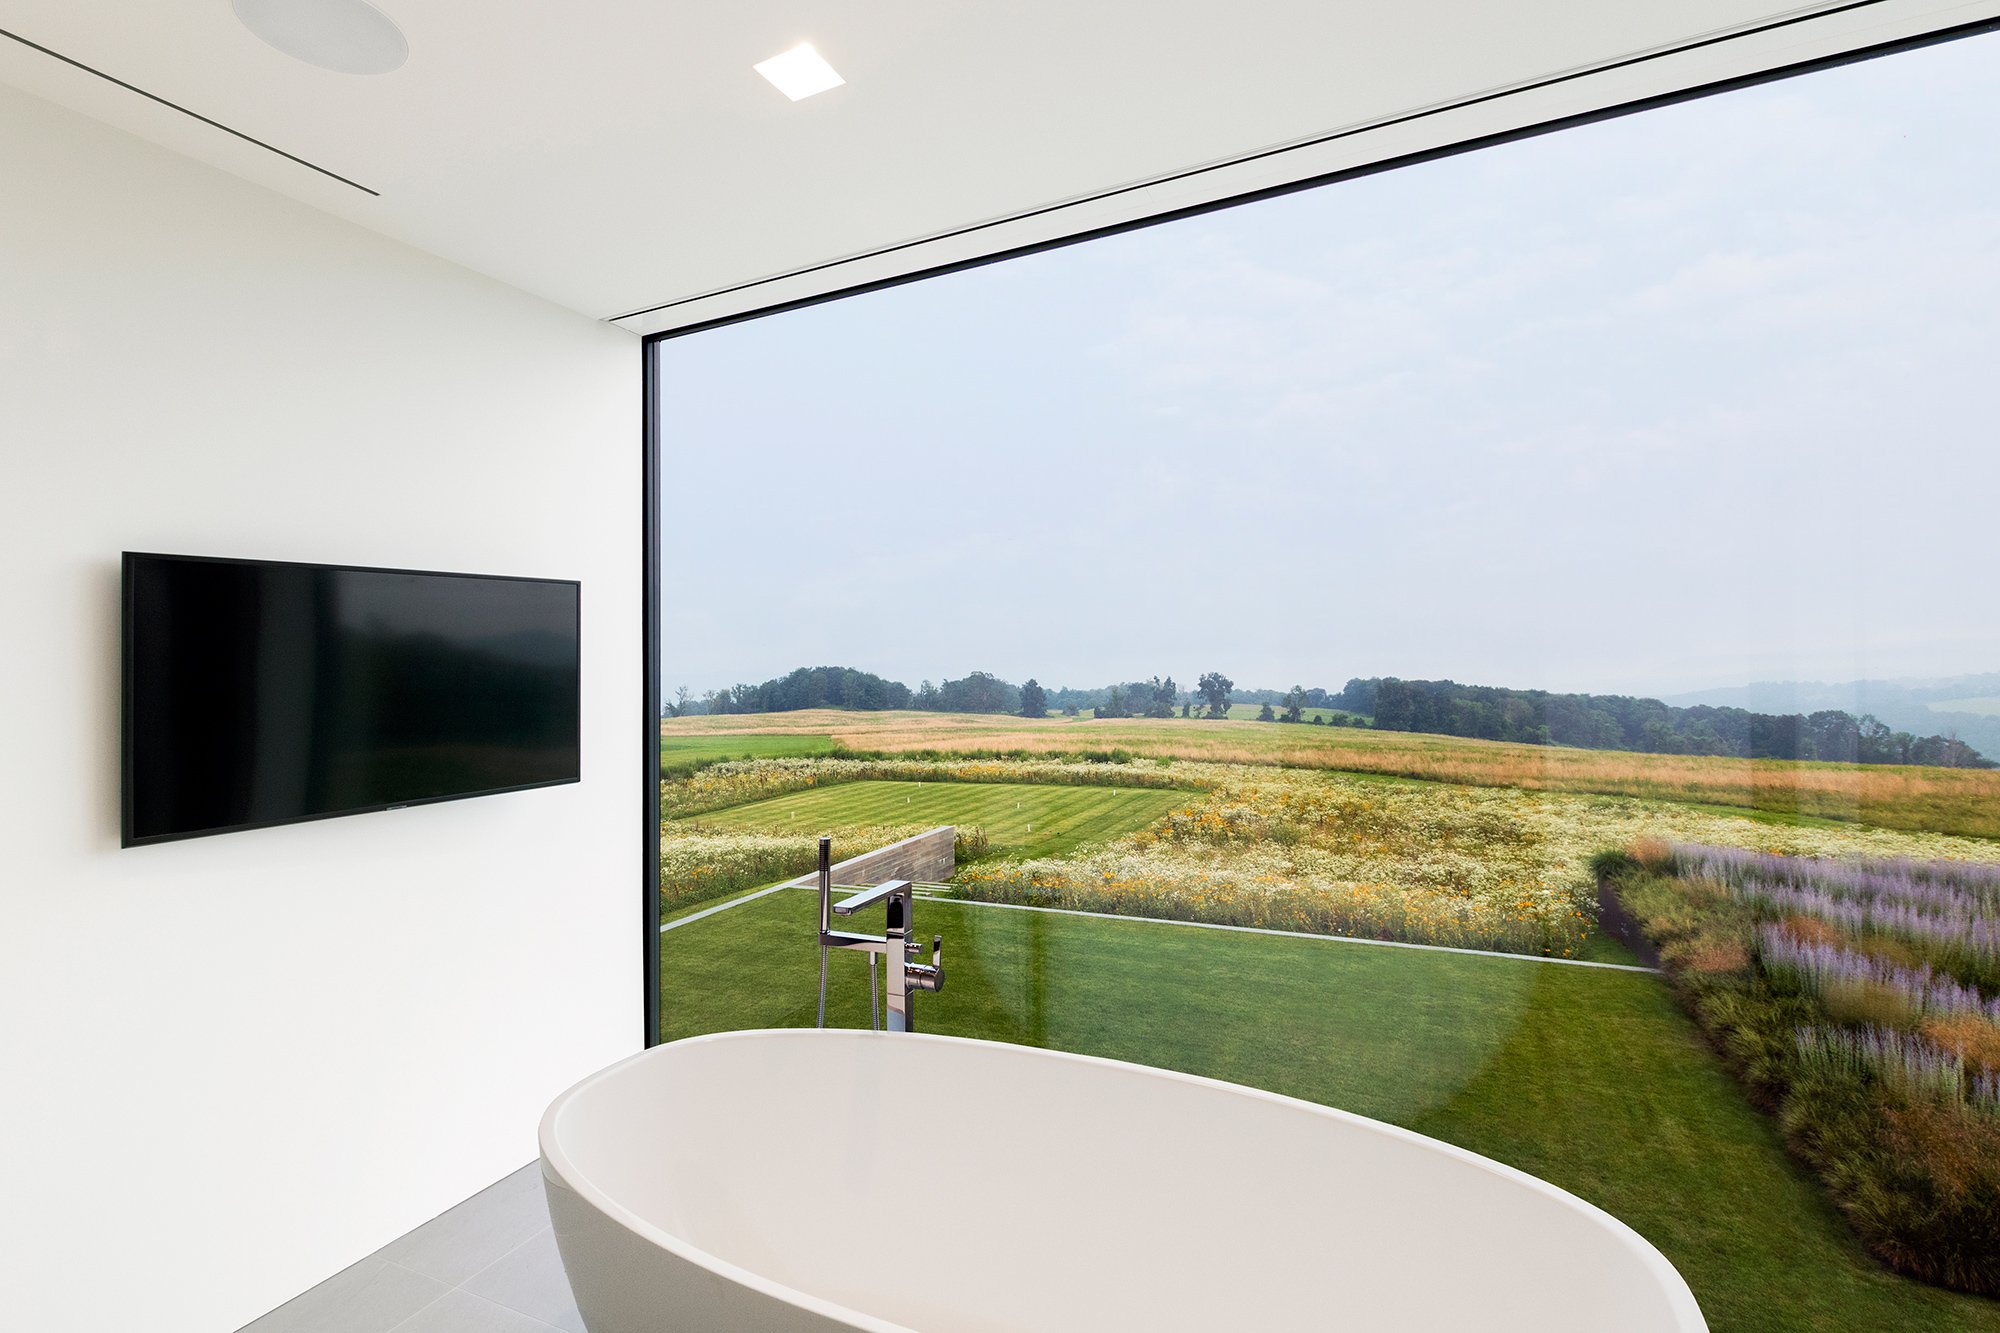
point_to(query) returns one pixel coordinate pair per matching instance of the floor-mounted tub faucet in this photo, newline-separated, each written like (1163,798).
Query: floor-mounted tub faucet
(896,944)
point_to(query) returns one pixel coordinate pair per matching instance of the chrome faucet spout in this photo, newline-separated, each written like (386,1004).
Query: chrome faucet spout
(869,897)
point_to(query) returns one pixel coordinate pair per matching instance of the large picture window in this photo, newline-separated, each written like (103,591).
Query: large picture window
(1504,646)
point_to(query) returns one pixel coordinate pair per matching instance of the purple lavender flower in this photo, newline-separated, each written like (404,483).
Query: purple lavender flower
(1947,910)
(1818,967)
(1909,1064)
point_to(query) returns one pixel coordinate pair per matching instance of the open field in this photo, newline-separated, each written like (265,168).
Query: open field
(1237,844)
(1943,800)
(682,750)
(1248,713)
(1986,706)
(1427,862)
(1585,1077)
(1018,820)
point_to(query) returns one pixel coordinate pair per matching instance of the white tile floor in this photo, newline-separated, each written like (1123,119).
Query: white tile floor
(488,1265)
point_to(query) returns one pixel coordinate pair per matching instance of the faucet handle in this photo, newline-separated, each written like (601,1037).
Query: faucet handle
(927,976)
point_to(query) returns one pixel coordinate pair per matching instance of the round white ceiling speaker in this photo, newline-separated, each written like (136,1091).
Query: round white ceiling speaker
(346,36)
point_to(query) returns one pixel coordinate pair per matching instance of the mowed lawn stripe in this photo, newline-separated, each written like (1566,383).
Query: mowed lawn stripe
(1020,820)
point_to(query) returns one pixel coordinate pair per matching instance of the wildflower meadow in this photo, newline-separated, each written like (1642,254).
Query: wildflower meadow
(1282,848)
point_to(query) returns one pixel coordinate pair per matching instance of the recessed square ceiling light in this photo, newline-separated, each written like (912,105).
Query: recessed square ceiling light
(800,72)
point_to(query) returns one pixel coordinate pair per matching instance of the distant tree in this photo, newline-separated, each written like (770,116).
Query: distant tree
(1163,692)
(1034,700)
(1875,741)
(1359,696)
(979,692)
(1214,688)
(927,697)
(1069,710)
(1295,703)
(1831,735)
(813,687)
(1264,714)
(1955,753)
(1113,705)
(1318,718)
(1187,709)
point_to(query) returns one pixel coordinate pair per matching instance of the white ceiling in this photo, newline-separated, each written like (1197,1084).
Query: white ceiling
(620,155)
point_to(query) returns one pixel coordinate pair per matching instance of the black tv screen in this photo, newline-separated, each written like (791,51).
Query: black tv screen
(261,693)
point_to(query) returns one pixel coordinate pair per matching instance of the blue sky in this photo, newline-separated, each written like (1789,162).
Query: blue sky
(1685,399)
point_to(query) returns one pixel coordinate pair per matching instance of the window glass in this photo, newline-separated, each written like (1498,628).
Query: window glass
(1574,558)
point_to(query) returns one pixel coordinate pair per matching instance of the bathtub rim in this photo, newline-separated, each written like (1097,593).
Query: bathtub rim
(1685,1310)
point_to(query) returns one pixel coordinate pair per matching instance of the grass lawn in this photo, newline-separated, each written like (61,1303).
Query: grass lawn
(1019,820)
(681,750)
(1587,1077)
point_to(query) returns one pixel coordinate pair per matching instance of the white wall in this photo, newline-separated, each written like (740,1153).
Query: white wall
(230,1067)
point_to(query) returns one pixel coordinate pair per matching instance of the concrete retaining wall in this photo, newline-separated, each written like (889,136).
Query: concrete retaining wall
(927,856)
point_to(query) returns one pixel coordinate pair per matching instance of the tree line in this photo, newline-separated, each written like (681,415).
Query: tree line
(807,687)
(976,692)
(1439,707)
(846,687)
(1623,722)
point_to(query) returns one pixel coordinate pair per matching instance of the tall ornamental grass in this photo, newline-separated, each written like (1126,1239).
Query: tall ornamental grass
(1473,867)
(698,864)
(1905,1065)
(1852,1004)
(1331,853)
(1941,916)
(1506,921)
(1827,969)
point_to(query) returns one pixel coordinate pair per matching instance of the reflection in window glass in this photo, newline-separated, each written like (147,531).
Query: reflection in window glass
(1573,557)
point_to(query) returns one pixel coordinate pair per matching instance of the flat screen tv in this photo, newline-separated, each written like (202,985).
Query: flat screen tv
(261,693)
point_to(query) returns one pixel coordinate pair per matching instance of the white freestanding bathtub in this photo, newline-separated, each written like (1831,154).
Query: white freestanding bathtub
(795,1180)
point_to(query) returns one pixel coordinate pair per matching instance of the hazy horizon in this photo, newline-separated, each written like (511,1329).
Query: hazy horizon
(1186,682)
(1678,402)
